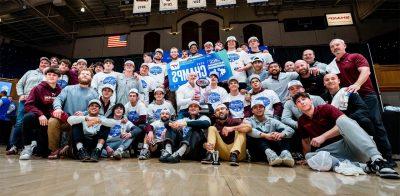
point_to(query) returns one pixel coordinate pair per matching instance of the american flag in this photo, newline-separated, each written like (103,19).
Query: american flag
(117,41)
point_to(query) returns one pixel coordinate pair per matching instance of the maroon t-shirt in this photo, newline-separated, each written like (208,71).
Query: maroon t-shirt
(324,119)
(348,66)
(230,122)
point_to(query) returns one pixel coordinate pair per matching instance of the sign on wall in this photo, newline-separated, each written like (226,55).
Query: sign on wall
(141,6)
(168,5)
(225,2)
(339,19)
(256,1)
(196,3)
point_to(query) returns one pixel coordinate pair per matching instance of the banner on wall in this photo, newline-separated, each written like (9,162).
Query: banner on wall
(225,2)
(256,1)
(6,86)
(168,5)
(141,6)
(196,3)
(215,62)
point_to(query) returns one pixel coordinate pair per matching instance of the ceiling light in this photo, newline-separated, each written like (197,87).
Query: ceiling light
(82,9)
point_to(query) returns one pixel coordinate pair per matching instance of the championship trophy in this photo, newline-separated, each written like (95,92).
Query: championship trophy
(215,157)
(203,83)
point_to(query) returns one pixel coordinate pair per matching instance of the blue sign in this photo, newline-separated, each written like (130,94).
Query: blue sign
(215,62)
(6,86)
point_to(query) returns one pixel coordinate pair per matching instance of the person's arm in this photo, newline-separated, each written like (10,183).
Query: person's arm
(305,142)
(21,83)
(362,78)
(94,84)
(180,100)
(31,101)
(73,120)
(199,124)
(282,128)
(287,116)
(11,108)
(60,99)
(108,122)
(317,141)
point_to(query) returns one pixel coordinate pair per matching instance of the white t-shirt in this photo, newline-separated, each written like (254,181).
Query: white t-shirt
(158,72)
(269,98)
(238,60)
(101,78)
(133,112)
(63,81)
(154,110)
(158,129)
(266,57)
(236,104)
(216,96)
(147,84)
(116,130)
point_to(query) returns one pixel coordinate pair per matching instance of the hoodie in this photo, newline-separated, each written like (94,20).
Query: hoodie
(40,99)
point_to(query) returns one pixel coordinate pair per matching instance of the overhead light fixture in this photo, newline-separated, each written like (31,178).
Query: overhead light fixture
(83,9)
(227,28)
(174,33)
(0,20)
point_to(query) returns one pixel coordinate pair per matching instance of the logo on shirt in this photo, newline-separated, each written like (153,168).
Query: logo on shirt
(158,131)
(174,66)
(233,57)
(185,131)
(157,114)
(156,70)
(133,116)
(62,83)
(144,84)
(265,100)
(115,131)
(214,97)
(236,105)
(110,80)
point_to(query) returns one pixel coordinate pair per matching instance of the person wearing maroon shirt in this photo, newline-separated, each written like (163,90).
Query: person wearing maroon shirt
(354,74)
(326,128)
(228,136)
(38,108)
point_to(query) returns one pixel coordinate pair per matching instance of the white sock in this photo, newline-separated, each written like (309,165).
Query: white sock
(33,144)
(79,145)
(375,157)
(121,148)
(145,146)
(168,148)
(181,151)
(99,146)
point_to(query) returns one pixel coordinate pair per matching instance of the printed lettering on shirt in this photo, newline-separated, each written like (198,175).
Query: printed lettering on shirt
(110,80)
(185,131)
(144,84)
(133,116)
(62,83)
(158,132)
(155,70)
(233,57)
(236,105)
(156,114)
(115,131)
(265,100)
(214,97)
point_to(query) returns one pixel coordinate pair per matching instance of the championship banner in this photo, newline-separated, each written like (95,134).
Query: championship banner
(141,6)
(168,5)
(217,62)
(256,1)
(6,86)
(225,2)
(196,3)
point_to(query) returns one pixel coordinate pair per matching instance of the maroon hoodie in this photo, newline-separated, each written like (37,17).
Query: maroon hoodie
(40,99)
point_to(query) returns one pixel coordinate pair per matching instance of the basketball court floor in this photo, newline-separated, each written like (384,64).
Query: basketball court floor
(132,177)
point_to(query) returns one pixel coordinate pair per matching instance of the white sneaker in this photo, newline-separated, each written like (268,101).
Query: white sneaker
(26,153)
(287,158)
(273,158)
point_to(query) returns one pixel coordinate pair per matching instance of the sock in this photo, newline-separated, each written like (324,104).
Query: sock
(99,146)
(168,148)
(145,146)
(375,157)
(33,144)
(121,148)
(79,145)
(181,150)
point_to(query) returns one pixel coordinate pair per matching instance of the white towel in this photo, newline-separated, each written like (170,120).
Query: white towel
(341,99)
(332,67)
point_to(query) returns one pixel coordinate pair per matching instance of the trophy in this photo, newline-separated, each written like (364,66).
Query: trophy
(203,83)
(215,157)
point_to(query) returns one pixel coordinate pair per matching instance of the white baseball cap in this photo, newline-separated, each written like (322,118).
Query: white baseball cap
(129,62)
(257,102)
(221,105)
(208,43)
(108,86)
(231,38)
(252,38)
(192,43)
(134,90)
(294,83)
(159,89)
(194,102)
(159,50)
(96,101)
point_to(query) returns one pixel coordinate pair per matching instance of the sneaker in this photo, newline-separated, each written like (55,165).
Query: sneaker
(117,155)
(95,155)
(208,159)
(83,155)
(273,158)
(144,154)
(126,154)
(287,158)
(26,153)
(233,159)
(174,159)
(13,150)
(382,169)
(164,156)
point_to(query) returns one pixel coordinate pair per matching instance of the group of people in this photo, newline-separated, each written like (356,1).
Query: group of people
(265,111)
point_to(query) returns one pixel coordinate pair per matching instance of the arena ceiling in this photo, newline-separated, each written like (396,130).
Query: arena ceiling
(45,21)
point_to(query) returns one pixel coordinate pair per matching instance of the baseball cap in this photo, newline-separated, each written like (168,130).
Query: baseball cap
(221,105)
(254,76)
(108,86)
(194,102)
(159,50)
(252,38)
(215,73)
(256,59)
(81,60)
(257,102)
(159,89)
(192,43)
(233,78)
(231,38)
(45,59)
(294,83)
(96,101)
(144,64)
(208,43)
(134,90)
(165,110)
(129,62)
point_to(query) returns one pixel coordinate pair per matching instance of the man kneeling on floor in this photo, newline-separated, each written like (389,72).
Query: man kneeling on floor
(268,136)
(228,136)
(326,128)
(90,132)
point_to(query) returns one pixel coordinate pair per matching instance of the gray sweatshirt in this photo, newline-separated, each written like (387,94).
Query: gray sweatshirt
(74,98)
(291,113)
(124,86)
(269,125)
(29,80)
(92,130)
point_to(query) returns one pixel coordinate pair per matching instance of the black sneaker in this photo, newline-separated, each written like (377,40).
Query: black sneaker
(95,155)
(174,159)
(83,155)
(208,159)
(383,169)
(233,160)
(164,156)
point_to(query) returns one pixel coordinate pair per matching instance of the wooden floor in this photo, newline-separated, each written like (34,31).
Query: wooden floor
(133,177)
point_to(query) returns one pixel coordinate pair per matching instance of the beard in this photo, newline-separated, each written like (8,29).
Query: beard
(85,81)
(223,116)
(274,73)
(164,119)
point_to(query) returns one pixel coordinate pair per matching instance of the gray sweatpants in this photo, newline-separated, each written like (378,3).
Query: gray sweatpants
(356,145)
